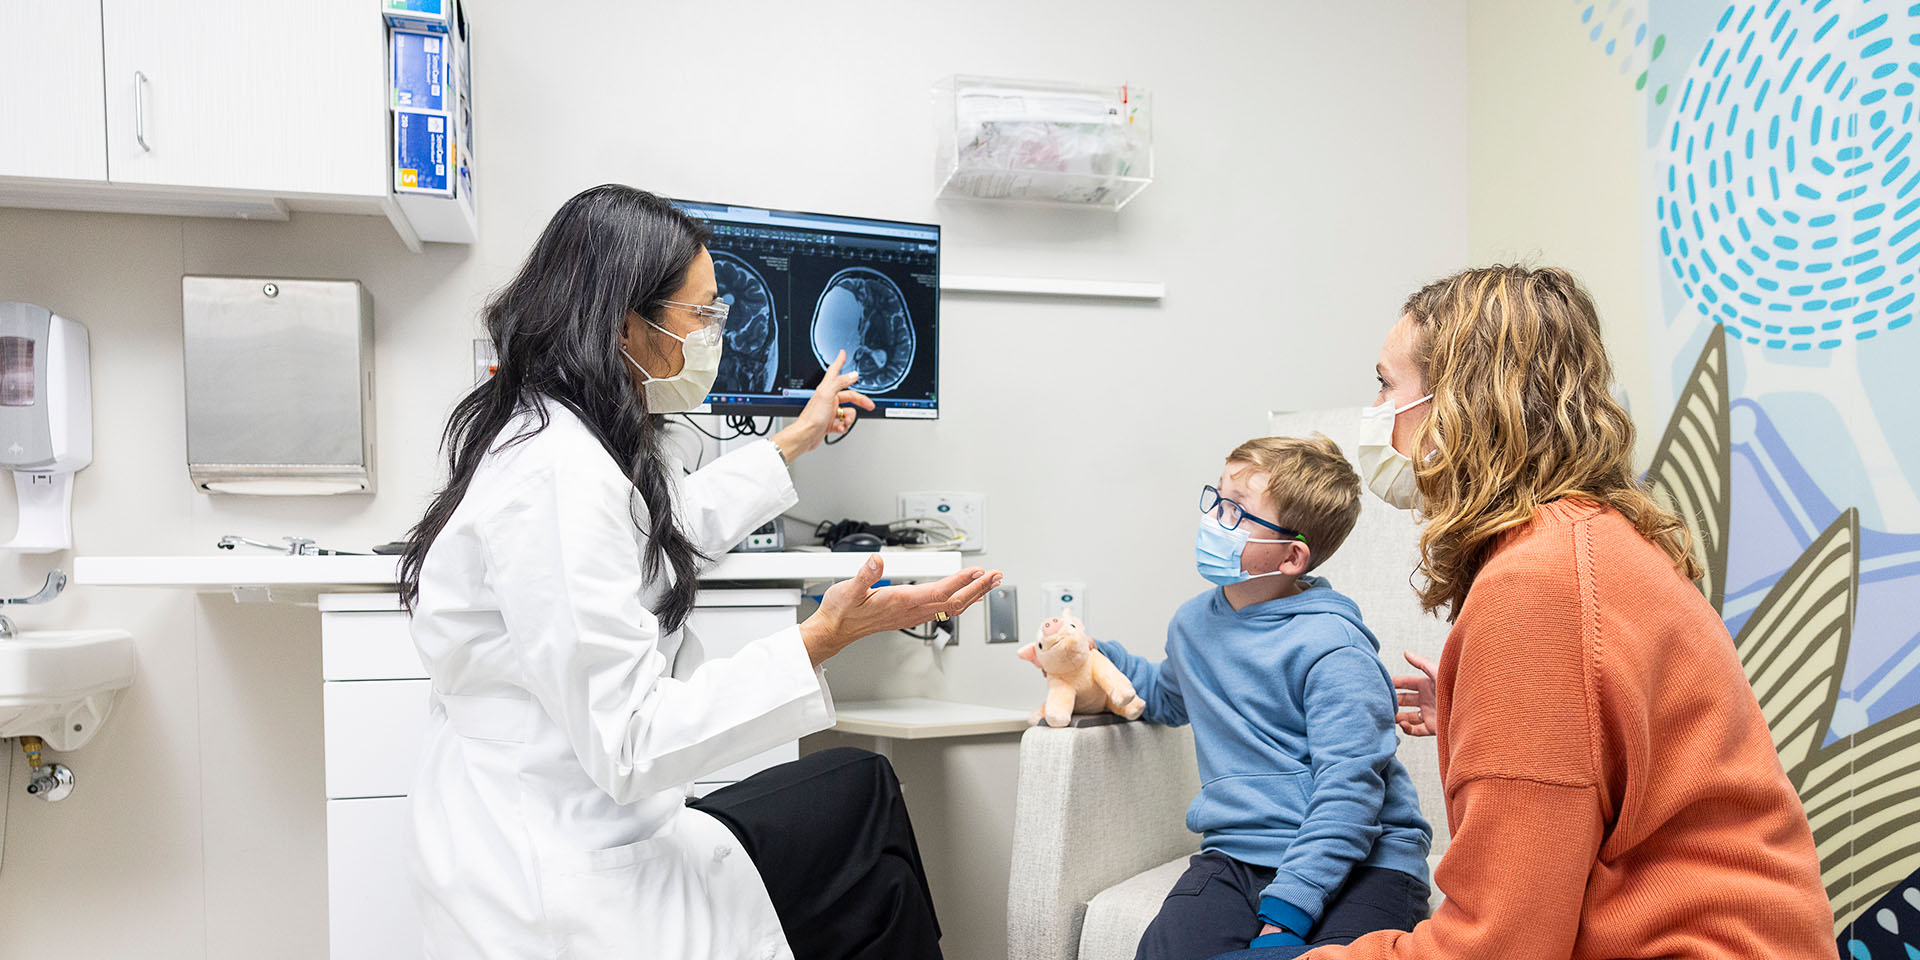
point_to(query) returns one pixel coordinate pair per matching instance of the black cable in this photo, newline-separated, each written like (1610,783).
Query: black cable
(689,421)
(836,438)
(833,532)
(933,630)
(748,426)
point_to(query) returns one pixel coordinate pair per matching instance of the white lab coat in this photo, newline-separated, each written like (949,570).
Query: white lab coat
(549,812)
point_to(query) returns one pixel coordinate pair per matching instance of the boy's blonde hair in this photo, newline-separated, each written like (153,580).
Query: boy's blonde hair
(1312,488)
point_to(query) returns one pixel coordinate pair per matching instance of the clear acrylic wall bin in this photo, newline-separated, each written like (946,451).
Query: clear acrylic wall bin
(1038,142)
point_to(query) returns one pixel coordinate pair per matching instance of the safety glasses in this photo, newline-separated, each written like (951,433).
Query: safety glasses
(710,314)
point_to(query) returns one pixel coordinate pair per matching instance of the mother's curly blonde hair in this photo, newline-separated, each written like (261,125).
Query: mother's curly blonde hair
(1523,414)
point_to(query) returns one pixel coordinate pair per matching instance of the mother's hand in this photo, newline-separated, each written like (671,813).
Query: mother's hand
(830,410)
(853,609)
(1416,691)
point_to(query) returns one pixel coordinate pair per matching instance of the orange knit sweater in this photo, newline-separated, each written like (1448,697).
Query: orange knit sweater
(1611,784)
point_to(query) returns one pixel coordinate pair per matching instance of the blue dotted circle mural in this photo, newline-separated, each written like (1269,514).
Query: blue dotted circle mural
(1790,206)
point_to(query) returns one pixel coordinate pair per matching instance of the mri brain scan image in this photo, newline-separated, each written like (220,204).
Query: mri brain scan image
(749,361)
(863,312)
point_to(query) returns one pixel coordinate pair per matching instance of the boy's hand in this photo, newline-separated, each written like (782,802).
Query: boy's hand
(1272,936)
(1417,692)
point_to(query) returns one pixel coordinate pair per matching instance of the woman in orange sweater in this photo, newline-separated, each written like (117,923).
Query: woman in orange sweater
(1610,781)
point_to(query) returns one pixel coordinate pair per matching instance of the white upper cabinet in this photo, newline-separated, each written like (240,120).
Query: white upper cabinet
(52,110)
(287,97)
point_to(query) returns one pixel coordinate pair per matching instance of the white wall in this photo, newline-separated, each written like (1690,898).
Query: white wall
(1313,171)
(1555,131)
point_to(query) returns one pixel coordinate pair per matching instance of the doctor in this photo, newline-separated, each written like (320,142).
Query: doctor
(550,583)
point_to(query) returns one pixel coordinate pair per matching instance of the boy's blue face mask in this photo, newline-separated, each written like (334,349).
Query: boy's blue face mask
(1217,550)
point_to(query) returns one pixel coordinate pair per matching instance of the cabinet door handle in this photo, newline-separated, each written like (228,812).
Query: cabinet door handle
(140,110)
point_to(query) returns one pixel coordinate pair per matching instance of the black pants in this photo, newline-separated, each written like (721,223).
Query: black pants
(1215,909)
(830,836)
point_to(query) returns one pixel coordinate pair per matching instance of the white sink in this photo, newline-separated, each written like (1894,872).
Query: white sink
(59,685)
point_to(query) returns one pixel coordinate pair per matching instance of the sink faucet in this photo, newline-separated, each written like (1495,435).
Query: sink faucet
(295,547)
(56,582)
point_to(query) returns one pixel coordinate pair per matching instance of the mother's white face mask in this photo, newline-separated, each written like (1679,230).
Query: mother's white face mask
(1387,471)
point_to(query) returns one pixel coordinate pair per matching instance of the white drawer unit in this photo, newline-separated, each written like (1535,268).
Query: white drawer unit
(374,703)
(370,908)
(724,630)
(374,732)
(374,696)
(364,637)
(375,700)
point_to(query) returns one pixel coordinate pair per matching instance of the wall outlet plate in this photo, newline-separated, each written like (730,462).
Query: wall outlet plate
(963,509)
(769,537)
(1057,597)
(1003,615)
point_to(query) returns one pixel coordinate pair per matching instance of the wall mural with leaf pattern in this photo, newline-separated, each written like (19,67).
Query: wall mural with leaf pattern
(1783,207)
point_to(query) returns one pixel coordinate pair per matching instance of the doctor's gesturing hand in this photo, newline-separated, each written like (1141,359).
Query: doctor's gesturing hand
(830,411)
(853,608)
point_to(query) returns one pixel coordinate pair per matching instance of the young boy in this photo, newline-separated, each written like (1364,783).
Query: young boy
(1311,829)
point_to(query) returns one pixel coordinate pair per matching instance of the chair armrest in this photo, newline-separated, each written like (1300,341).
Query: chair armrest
(1098,802)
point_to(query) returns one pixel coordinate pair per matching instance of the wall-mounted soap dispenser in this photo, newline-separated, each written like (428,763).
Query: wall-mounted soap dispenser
(46,420)
(279,385)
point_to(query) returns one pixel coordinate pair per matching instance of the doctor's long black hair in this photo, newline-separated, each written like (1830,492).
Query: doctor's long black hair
(556,328)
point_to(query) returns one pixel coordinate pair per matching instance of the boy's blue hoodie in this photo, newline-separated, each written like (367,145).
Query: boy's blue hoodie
(1293,721)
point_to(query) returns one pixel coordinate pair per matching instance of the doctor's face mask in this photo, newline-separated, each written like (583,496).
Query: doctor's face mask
(700,364)
(700,315)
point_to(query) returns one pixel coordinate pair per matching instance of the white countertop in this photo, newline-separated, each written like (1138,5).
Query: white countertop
(224,570)
(919,718)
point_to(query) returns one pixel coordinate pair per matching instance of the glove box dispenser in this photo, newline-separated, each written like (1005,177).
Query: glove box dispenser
(279,385)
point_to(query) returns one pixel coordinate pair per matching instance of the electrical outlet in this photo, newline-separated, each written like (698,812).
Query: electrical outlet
(965,510)
(1057,597)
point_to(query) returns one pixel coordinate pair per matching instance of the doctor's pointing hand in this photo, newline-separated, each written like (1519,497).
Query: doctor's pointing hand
(550,583)
(825,411)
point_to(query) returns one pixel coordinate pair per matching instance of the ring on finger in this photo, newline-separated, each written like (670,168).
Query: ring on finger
(941,616)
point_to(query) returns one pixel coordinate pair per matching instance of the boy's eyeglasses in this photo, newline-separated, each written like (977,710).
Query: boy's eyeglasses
(1229,513)
(710,314)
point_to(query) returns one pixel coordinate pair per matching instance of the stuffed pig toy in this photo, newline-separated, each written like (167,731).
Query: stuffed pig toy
(1080,679)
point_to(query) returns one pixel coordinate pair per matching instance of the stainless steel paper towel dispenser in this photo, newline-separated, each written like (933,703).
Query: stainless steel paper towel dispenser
(279,385)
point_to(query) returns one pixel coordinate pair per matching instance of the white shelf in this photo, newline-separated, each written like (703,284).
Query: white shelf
(919,718)
(228,570)
(733,597)
(222,571)
(1054,287)
(802,565)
